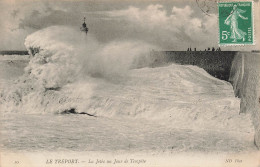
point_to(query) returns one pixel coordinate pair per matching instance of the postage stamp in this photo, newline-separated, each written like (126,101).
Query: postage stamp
(236,23)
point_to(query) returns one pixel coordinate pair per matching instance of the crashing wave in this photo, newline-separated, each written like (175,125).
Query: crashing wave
(69,73)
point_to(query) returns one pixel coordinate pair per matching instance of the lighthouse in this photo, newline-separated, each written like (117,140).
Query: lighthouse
(84,26)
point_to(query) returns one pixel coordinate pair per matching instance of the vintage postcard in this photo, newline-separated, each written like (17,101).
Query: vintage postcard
(135,83)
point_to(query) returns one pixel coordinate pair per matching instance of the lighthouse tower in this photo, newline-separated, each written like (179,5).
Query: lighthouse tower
(84,26)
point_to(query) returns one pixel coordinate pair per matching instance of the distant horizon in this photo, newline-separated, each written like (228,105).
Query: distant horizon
(1,51)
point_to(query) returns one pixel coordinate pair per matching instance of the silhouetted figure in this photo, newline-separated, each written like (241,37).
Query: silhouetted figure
(194,49)
(84,26)
(208,48)
(219,49)
(213,49)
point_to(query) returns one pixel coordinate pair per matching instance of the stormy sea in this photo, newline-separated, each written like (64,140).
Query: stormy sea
(73,93)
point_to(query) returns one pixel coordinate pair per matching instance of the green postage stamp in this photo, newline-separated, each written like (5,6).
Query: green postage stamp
(236,23)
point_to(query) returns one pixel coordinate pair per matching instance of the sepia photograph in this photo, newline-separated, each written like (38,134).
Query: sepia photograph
(135,83)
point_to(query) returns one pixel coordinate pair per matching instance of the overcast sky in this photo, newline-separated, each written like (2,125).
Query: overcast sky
(171,25)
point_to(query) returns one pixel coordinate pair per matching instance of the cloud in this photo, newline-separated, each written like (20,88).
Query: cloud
(14,13)
(172,30)
(45,16)
(170,26)
(23,18)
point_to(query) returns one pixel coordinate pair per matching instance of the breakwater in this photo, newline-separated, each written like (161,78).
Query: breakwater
(216,63)
(14,52)
(245,78)
(241,69)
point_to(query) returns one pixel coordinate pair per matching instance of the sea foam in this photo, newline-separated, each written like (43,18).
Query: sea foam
(71,72)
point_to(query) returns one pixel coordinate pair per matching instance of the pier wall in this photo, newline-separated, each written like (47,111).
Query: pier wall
(245,78)
(216,63)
